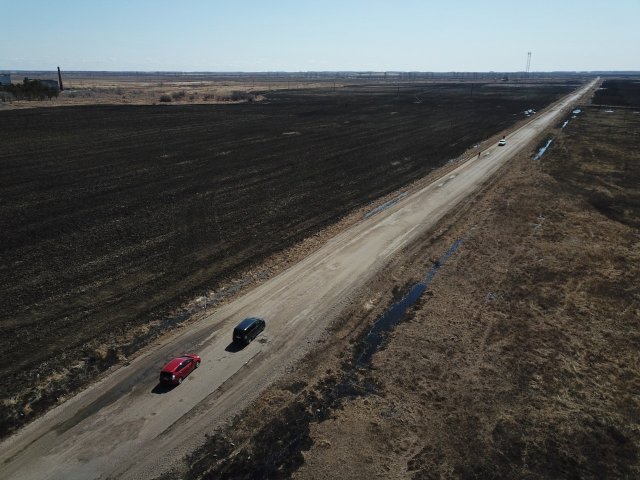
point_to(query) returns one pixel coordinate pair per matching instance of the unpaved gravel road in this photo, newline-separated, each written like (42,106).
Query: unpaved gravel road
(123,427)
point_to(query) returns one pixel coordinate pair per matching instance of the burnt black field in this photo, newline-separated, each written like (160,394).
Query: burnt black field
(623,93)
(112,216)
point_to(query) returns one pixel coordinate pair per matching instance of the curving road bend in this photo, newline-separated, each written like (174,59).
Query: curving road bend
(125,427)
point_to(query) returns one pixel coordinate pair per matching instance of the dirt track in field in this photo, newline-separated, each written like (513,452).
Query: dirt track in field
(118,426)
(118,220)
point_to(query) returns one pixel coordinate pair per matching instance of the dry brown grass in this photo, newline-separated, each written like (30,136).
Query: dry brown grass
(523,362)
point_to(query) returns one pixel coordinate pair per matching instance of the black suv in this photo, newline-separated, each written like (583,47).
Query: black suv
(247,330)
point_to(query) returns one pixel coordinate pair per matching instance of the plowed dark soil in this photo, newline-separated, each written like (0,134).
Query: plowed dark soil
(112,217)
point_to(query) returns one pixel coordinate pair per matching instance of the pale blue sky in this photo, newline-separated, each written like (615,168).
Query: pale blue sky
(298,35)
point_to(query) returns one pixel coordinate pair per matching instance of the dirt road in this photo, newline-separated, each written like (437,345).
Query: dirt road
(125,427)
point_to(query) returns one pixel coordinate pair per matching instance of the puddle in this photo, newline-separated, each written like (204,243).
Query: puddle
(385,205)
(566,122)
(383,325)
(543,149)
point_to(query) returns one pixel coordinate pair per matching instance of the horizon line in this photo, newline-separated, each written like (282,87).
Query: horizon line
(293,72)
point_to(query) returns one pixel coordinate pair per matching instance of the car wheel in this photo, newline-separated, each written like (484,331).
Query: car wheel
(197,364)
(179,380)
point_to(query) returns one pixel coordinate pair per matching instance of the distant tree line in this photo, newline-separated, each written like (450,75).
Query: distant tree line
(30,90)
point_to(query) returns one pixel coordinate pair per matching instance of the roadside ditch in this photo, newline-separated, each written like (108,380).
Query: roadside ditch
(276,450)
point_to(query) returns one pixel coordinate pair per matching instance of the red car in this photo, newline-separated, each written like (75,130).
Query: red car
(177,369)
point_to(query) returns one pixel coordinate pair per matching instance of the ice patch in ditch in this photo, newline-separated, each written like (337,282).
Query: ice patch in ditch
(542,150)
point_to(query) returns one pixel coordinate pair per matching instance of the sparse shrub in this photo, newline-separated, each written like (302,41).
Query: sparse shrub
(238,95)
(235,96)
(178,95)
(165,98)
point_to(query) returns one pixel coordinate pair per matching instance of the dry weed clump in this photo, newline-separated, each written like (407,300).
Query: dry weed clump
(232,96)
(55,386)
(179,95)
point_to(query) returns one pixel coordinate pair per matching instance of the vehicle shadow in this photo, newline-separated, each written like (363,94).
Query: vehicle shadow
(162,388)
(234,347)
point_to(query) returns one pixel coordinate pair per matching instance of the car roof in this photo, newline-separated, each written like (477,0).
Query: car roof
(173,364)
(247,322)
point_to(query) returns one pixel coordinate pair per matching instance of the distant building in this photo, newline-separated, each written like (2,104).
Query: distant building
(5,79)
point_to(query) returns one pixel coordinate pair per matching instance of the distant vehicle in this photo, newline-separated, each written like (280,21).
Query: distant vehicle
(177,369)
(502,142)
(247,330)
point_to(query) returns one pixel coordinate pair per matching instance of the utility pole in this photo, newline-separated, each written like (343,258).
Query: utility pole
(60,80)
